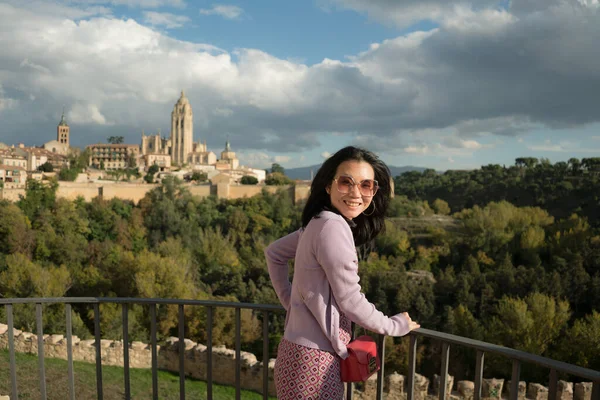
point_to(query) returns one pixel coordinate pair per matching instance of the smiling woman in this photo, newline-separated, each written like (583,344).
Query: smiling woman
(324,296)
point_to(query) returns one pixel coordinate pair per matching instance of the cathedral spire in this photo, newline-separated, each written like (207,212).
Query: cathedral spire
(63,121)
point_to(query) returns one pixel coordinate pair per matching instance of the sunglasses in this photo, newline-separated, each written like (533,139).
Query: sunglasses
(366,187)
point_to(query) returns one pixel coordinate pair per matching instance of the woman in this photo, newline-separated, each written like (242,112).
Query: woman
(346,207)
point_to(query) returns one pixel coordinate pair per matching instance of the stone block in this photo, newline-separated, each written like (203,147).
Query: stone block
(492,388)
(466,389)
(436,384)
(535,391)
(4,397)
(522,390)
(54,339)
(138,346)
(421,387)
(394,384)
(3,329)
(564,390)
(583,391)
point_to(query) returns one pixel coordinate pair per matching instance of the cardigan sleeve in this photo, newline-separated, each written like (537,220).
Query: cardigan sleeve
(278,254)
(336,254)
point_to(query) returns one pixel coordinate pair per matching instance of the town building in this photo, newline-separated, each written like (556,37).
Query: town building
(113,156)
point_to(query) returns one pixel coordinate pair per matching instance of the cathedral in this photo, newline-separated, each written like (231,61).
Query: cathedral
(179,149)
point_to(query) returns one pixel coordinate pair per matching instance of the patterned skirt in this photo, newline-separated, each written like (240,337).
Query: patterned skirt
(310,374)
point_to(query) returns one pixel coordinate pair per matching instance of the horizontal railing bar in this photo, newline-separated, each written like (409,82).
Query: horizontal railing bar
(511,353)
(120,300)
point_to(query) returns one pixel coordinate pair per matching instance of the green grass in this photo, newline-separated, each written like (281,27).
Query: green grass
(112,381)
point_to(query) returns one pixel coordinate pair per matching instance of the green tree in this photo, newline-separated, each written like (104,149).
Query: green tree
(529,324)
(46,167)
(248,180)
(115,139)
(441,207)
(39,196)
(581,344)
(277,178)
(276,168)
(199,176)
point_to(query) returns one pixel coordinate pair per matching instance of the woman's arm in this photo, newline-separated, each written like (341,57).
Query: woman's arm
(278,254)
(336,254)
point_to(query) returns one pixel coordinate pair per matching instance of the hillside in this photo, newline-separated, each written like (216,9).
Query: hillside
(304,173)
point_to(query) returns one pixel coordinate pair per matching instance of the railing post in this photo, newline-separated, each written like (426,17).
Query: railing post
(126,380)
(238,352)
(209,326)
(181,352)
(412,366)
(97,343)
(552,385)
(11,351)
(444,371)
(265,355)
(70,351)
(479,360)
(154,354)
(596,391)
(514,383)
(40,339)
(350,385)
(381,345)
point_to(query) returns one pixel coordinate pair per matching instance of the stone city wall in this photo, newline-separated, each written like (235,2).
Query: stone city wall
(140,356)
(137,191)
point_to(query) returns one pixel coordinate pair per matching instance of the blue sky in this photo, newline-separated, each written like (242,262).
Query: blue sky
(432,83)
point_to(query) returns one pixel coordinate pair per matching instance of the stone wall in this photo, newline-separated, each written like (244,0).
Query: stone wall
(140,356)
(137,191)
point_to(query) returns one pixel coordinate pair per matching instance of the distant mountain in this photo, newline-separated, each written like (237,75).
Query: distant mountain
(305,172)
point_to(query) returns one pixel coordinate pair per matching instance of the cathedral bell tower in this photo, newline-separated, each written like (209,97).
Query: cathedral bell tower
(62,131)
(182,129)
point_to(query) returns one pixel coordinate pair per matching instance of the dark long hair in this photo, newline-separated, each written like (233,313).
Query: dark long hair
(364,228)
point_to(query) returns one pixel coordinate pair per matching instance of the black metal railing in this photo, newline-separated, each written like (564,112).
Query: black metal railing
(446,340)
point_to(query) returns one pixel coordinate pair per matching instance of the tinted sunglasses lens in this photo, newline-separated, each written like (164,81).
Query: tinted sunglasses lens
(368,187)
(344,184)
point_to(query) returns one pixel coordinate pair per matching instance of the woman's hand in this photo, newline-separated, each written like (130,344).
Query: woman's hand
(412,325)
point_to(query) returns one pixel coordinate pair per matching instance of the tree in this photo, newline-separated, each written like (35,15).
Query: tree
(68,174)
(149,178)
(277,178)
(115,139)
(199,176)
(39,196)
(440,207)
(46,167)
(277,168)
(248,180)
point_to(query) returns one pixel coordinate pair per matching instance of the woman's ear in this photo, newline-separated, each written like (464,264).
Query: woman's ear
(328,189)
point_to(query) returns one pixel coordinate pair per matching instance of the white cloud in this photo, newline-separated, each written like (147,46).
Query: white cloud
(261,159)
(442,93)
(406,12)
(167,20)
(5,102)
(282,159)
(223,10)
(325,155)
(86,114)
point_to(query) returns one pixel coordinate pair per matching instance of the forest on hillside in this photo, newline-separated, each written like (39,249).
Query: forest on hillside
(524,275)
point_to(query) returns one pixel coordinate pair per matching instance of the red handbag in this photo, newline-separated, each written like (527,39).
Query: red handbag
(362,360)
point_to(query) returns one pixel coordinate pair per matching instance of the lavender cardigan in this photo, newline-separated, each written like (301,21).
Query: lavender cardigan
(325,284)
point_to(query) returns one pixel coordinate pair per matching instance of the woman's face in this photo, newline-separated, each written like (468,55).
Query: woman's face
(345,190)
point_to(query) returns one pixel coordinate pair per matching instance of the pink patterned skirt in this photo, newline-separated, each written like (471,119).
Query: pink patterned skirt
(310,374)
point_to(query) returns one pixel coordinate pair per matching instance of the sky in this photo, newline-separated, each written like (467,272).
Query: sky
(432,83)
